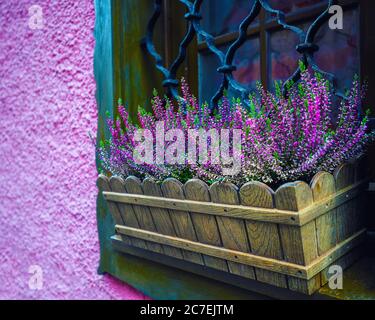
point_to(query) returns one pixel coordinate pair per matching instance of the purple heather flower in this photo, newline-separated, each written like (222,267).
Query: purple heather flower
(283,139)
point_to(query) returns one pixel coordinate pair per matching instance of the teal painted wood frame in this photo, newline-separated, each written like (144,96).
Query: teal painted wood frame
(103,71)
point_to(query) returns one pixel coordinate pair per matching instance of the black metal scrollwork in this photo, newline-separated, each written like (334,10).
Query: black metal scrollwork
(306,48)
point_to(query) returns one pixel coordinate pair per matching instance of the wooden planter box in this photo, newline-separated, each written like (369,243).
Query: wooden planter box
(287,238)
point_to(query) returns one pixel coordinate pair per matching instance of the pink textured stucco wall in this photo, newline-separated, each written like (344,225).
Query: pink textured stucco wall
(47,168)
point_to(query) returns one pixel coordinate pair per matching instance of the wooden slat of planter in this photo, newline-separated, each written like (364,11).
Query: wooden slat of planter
(233,231)
(248,213)
(162,220)
(344,176)
(299,243)
(333,202)
(181,220)
(217,209)
(333,255)
(205,225)
(104,185)
(263,236)
(126,210)
(245,259)
(346,213)
(291,269)
(323,186)
(133,185)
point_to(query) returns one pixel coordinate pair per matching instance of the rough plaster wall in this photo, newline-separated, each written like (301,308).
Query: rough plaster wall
(47,168)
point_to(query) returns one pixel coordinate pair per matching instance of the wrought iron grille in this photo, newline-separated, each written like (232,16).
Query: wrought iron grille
(306,47)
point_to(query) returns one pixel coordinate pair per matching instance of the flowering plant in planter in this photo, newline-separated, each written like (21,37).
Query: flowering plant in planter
(288,237)
(281,138)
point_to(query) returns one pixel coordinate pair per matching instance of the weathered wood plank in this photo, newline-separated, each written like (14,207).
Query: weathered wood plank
(304,286)
(126,210)
(161,218)
(299,243)
(243,212)
(291,269)
(344,176)
(233,256)
(346,213)
(233,231)
(341,197)
(205,225)
(103,184)
(293,196)
(134,72)
(334,254)
(172,188)
(133,186)
(323,186)
(217,209)
(263,236)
